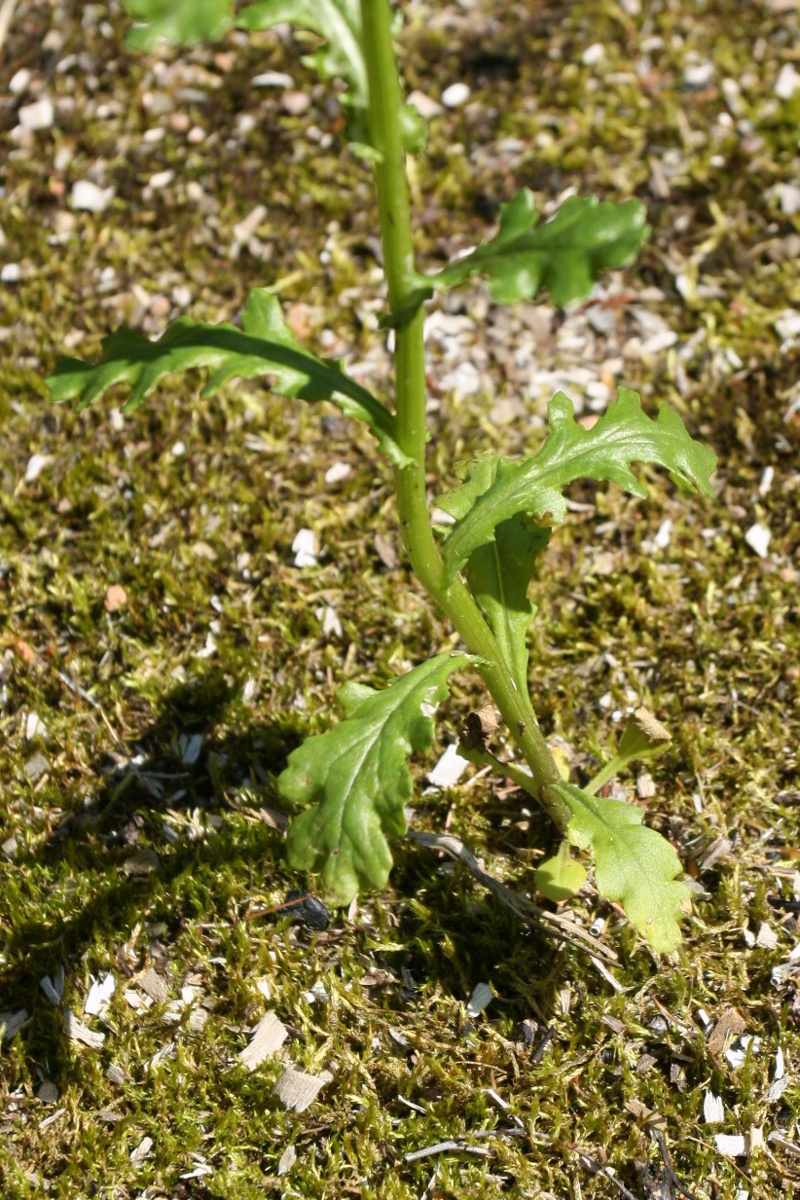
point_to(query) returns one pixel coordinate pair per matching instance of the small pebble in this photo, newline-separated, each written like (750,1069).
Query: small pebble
(10,273)
(758,538)
(456,95)
(787,82)
(38,115)
(88,197)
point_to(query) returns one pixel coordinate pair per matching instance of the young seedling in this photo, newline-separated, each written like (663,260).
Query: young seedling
(353,782)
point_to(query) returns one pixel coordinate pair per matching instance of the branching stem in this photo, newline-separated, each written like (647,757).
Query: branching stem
(456,602)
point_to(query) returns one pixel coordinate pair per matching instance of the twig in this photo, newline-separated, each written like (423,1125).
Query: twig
(598,1168)
(6,16)
(552,924)
(675,1182)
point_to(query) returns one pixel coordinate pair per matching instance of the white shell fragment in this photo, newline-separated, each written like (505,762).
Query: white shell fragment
(713,1109)
(305,548)
(268,1036)
(480,998)
(99,997)
(76,1031)
(758,538)
(449,769)
(53,987)
(88,197)
(153,986)
(338,472)
(733,1145)
(296,1090)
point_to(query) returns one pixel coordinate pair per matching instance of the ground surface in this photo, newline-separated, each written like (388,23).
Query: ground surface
(142,729)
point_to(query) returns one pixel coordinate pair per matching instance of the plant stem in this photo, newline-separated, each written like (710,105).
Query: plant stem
(391,184)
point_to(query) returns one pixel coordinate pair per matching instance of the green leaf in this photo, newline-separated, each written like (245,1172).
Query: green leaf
(498,574)
(496,489)
(264,348)
(356,779)
(184,22)
(565,254)
(338,23)
(561,876)
(633,864)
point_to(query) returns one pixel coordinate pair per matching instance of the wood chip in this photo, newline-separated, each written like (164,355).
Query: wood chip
(152,985)
(116,598)
(296,1090)
(141,1152)
(268,1036)
(142,863)
(729,1025)
(287,1160)
(76,1031)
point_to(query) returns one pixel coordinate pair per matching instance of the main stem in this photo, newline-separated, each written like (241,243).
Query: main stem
(385,102)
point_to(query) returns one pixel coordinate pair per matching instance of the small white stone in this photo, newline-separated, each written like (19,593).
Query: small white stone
(787,82)
(338,472)
(34,727)
(305,548)
(272,79)
(425,106)
(713,1109)
(10,273)
(161,179)
(758,538)
(766,481)
(36,464)
(88,197)
(38,115)
(19,82)
(789,199)
(178,450)
(663,535)
(698,75)
(456,95)
(787,324)
(331,625)
(449,769)
(593,54)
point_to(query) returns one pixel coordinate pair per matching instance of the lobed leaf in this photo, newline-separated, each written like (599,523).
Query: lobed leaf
(264,347)
(565,255)
(357,782)
(496,489)
(184,22)
(498,574)
(561,876)
(633,864)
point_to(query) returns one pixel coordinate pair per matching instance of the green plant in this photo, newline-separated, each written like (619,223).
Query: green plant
(354,779)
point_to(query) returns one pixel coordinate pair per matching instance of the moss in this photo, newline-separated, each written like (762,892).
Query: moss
(705,633)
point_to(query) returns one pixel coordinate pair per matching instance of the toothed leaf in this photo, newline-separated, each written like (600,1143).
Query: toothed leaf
(265,347)
(561,876)
(498,574)
(183,22)
(356,780)
(496,489)
(633,864)
(565,255)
